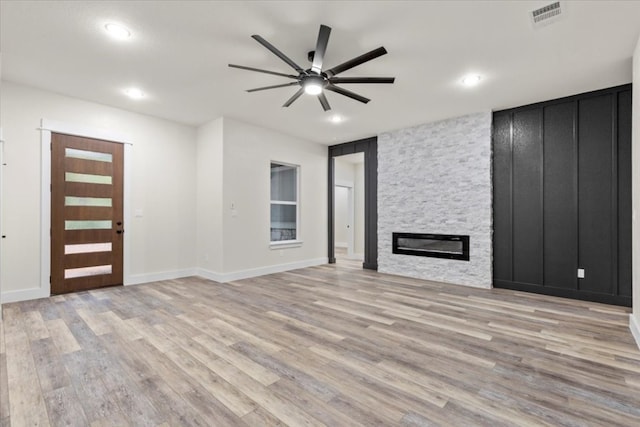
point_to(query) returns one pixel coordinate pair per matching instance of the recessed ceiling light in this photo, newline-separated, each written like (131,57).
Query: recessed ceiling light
(117,31)
(471,79)
(336,119)
(134,93)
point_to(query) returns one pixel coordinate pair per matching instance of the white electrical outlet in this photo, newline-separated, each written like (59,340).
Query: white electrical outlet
(581,273)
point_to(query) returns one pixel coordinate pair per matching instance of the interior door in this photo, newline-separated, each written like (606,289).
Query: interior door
(86,213)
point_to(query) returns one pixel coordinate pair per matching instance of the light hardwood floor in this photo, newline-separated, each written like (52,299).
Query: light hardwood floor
(331,345)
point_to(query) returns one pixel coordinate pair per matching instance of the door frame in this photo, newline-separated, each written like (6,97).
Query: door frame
(350,215)
(369,146)
(46,128)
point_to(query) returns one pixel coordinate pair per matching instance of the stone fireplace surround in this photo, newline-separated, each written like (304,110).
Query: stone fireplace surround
(436,178)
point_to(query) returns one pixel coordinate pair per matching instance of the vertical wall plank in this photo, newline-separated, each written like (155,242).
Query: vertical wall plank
(527,196)
(594,190)
(502,189)
(560,197)
(624,193)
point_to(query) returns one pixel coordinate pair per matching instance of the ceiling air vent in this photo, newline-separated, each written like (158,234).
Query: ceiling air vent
(547,14)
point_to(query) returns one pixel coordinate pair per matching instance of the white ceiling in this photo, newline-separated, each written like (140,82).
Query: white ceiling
(179,52)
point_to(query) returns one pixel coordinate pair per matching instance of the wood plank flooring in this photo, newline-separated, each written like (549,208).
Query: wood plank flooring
(331,345)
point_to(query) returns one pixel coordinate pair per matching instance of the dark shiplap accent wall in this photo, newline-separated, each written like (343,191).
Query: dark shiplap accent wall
(562,196)
(369,147)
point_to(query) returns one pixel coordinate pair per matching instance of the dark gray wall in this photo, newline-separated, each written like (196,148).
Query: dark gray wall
(562,196)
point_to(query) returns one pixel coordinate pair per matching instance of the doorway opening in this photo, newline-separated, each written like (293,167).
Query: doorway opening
(349,207)
(363,156)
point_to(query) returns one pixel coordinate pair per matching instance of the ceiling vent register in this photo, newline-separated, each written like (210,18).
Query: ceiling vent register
(547,14)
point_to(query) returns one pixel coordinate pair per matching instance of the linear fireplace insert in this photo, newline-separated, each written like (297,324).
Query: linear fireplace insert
(432,245)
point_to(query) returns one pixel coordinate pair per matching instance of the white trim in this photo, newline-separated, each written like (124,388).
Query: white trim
(343,183)
(24,295)
(297,204)
(260,271)
(341,245)
(73,129)
(635,328)
(285,244)
(138,279)
(46,127)
(126,212)
(1,217)
(352,222)
(45,211)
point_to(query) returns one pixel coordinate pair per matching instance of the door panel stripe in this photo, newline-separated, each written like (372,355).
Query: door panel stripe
(88,166)
(74,237)
(81,189)
(88,213)
(87,259)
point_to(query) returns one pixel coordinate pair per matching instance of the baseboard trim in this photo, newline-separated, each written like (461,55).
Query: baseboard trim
(564,293)
(24,295)
(138,279)
(260,271)
(635,329)
(341,245)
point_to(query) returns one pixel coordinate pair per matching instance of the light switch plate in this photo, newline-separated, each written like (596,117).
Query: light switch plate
(581,273)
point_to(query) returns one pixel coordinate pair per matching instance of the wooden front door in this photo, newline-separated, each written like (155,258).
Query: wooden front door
(87,224)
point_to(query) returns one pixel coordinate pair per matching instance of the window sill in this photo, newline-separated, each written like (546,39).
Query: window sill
(285,244)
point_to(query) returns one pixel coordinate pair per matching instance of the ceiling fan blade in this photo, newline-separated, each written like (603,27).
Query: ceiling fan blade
(276,52)
(347,93)
(356,61)
(324,102)
(273,87)
(362,79)
(321,48)
(295,96)
(242,67)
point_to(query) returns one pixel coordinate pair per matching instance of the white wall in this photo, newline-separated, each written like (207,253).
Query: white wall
(343,171)
(248,152)
(635,185)
(341,216)
(163,185)
(352,172)
(436,178)
(209,165)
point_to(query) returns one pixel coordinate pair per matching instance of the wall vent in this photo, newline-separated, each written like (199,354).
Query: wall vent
(547,14)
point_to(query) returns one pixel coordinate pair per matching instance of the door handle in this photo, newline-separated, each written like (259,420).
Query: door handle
(120,231)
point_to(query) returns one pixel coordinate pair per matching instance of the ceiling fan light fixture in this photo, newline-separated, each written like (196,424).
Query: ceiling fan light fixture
(313,85)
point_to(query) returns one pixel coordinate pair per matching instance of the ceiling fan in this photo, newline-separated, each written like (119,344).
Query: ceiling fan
(315,80)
